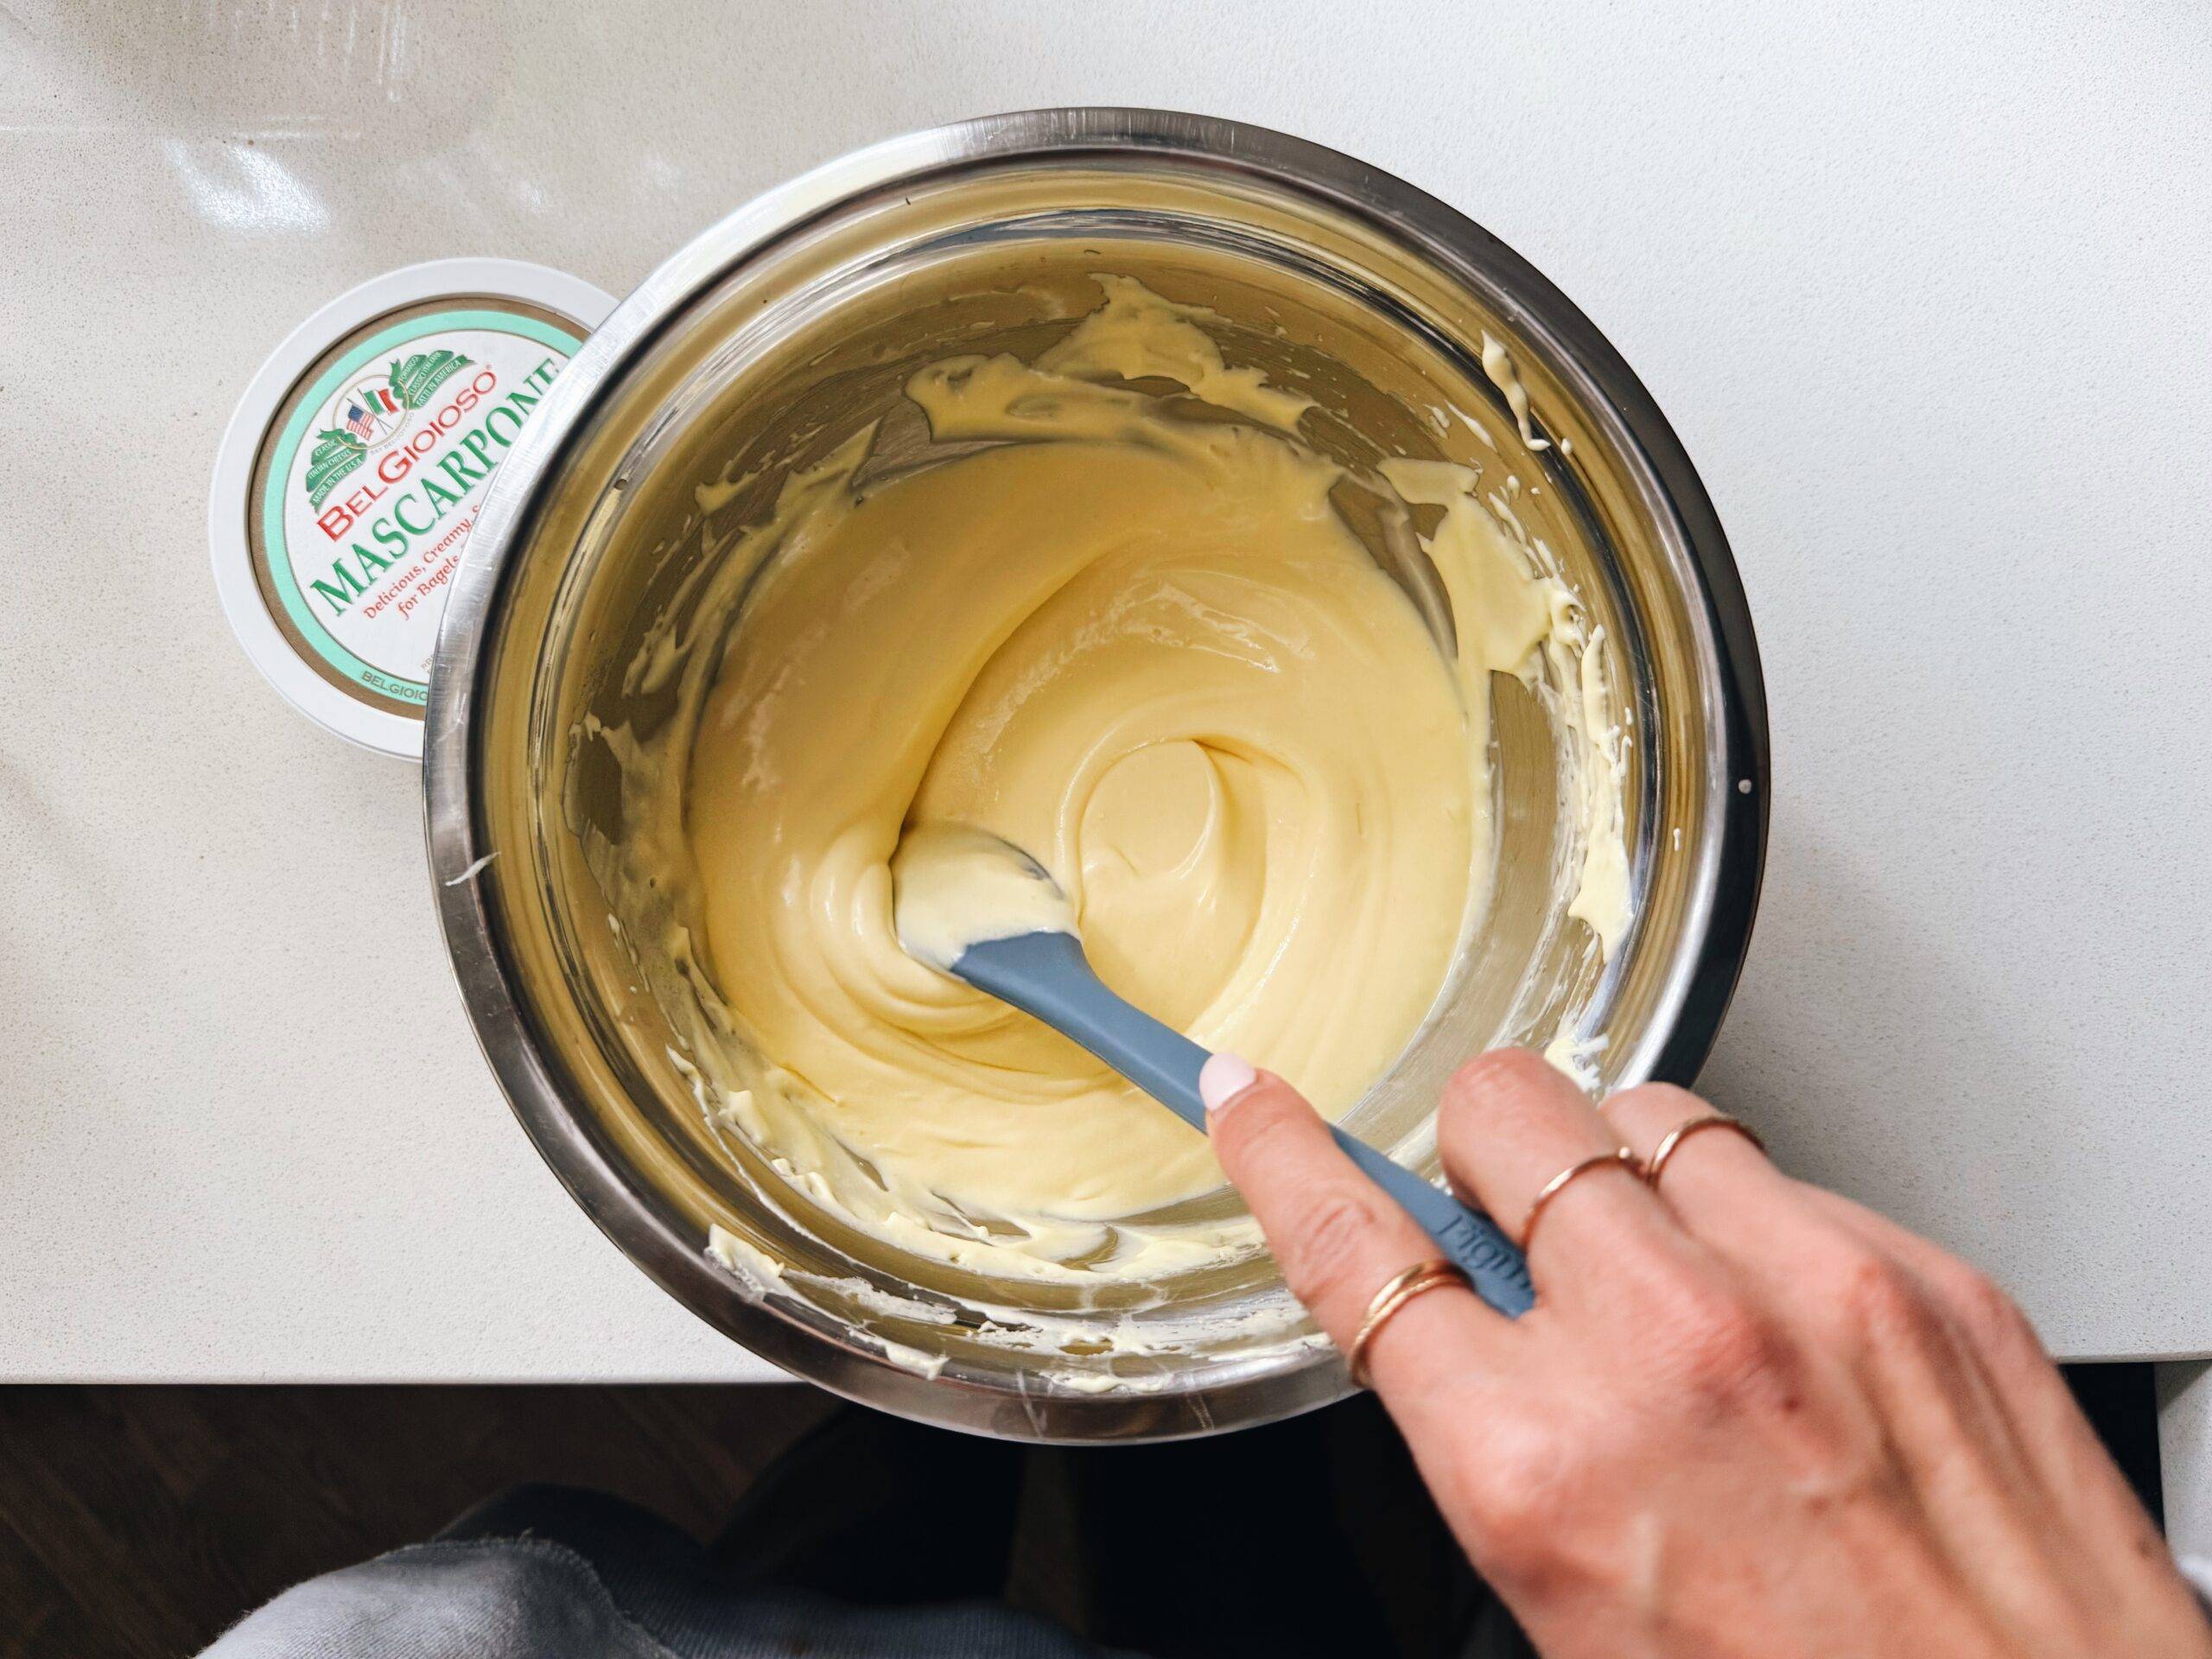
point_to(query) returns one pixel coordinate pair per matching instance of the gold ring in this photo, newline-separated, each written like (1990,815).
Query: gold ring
(1682,1132)
(1558,1183)
(1401,1288)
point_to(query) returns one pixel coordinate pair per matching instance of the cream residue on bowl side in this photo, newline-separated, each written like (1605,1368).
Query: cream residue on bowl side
(805,932)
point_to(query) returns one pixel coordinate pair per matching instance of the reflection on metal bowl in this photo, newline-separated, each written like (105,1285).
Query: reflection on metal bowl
(791,325)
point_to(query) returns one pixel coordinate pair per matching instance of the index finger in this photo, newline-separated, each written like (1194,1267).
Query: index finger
(1339,1238)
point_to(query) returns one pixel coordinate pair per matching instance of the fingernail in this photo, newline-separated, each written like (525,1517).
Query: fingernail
(1222,1078)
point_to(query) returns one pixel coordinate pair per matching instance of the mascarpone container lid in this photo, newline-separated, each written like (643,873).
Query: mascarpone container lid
(351,473)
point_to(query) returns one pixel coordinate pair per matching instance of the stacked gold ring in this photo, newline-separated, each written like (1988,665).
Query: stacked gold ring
(1401,1289)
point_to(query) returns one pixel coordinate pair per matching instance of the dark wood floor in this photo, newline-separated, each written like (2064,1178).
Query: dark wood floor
(139,1523)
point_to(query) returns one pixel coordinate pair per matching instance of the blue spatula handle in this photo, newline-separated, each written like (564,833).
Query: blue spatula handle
(1493,1263)
(1047,975)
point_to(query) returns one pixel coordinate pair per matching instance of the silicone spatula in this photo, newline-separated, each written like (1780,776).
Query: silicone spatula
(1043,971)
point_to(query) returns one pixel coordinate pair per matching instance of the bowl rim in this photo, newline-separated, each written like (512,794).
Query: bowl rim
(531,1078)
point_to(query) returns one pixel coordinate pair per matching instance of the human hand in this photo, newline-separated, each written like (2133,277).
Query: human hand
(1746,1416)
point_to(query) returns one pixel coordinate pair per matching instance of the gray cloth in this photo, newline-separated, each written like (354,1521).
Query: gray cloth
(533,1599)
(502,1599)
(1328,1502)
(550,1572)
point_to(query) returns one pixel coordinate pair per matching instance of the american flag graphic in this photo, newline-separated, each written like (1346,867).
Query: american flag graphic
(360,421)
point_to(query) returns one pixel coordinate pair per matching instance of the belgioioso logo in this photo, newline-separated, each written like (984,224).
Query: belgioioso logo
(369,414)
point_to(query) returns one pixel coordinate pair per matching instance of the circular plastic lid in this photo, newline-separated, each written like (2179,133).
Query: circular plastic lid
(351,475)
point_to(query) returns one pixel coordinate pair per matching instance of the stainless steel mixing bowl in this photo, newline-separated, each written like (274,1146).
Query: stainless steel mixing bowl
(796,321)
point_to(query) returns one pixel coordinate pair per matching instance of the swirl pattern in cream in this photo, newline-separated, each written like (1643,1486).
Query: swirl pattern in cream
(1147,650)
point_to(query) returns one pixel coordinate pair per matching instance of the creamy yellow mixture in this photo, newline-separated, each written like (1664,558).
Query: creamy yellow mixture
(1146,650)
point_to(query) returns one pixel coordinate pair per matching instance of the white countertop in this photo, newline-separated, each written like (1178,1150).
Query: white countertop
(1922,289)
